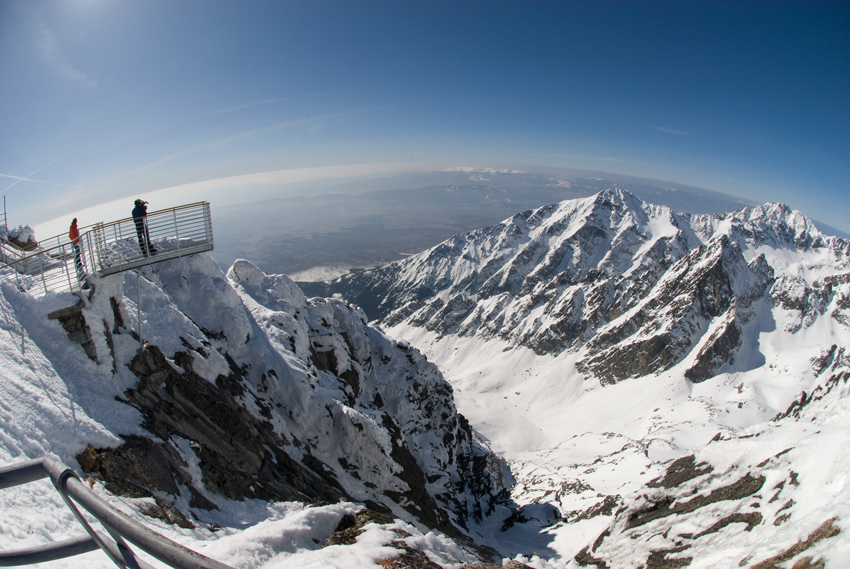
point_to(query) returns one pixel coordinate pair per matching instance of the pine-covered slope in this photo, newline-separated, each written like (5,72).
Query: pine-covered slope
(633,287)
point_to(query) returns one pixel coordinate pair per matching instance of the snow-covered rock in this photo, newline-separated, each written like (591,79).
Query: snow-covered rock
(670,390)
(634,288)
(245,390)
(674,385)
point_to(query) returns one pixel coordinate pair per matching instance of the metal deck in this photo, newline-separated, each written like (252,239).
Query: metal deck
(110,248)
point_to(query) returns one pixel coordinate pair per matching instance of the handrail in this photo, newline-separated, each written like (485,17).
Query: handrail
(157,212)
(6,241)
(34,255)
(109,248)
(97,226)
(9,251)
(119,526)
(151,213)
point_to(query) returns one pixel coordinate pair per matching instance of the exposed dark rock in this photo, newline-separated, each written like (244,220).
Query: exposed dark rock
(797,406)
(585,558)
(351,525)
(239,456)
(659,560)
(604,508)
(512,564)
(741,488)
(699,289)
(752,519)
(138,468)
(680,471)
(543,514)
(720,348)
(417,493)
(410,559)
(74,323)
(28,245)
(164,510)
(825,531)
(117,318)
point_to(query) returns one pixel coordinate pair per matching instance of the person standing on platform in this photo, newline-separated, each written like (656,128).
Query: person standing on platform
(74,236)
(140,218)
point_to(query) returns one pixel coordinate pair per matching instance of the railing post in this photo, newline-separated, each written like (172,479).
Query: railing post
(22,473)
(139,312)
(59,476)
(100,245)
(176,230)
(43,281)
(120,528)
(65,266)
(208,224)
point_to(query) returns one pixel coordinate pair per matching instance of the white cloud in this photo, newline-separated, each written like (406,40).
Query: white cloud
(19,179)
(220,192)
(28,178)
(51,51)
(470,169)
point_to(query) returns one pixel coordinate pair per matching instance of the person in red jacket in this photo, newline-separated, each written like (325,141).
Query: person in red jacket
(74,236)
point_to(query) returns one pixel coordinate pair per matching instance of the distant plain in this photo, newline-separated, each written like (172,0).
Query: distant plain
(339,226)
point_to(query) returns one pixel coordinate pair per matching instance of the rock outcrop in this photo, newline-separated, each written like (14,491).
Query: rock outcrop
(633,288)
(249,390)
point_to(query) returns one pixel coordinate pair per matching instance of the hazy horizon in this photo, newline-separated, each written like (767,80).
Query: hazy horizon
(113,100)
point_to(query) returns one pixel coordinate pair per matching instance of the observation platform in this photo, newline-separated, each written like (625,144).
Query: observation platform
(109,248)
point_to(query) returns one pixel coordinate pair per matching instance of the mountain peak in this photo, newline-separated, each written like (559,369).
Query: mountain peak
(599,276)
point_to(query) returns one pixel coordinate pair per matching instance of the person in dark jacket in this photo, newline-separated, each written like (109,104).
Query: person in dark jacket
(140,218)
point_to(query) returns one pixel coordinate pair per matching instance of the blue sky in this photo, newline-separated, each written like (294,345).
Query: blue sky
(102,99)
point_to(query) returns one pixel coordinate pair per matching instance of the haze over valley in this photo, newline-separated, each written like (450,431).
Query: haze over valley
(426,285)
(372,221)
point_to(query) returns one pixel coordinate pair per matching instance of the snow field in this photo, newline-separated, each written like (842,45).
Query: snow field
(54,399)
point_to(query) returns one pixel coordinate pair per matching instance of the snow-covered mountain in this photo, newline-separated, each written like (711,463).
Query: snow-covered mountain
(246,392)
(634,287)
(670,389)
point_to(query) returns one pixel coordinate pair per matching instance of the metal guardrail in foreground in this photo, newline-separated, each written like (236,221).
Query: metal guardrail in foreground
(118,526)
(109,248)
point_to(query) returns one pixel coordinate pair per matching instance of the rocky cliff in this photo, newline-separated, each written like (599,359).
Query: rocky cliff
(246,389)
(633,287)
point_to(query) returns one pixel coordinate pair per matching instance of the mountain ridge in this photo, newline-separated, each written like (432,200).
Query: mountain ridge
(557,277)
(662,389)
(242,390)
(667,412)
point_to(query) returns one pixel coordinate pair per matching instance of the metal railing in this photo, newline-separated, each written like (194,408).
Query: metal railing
(108,248)
(9,252)
(119,527)
(51,269)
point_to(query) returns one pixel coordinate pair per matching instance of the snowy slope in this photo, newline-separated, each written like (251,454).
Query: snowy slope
(668,390)
(634,285)
(595,342)
(248,401)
